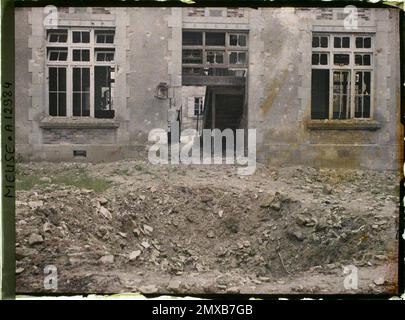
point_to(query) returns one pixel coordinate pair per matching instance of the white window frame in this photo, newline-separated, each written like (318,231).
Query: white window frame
(70,64)
(351,67)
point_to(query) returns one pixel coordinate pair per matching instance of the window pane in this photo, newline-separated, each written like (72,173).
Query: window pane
(345,42)
(85,104)
(233,57)
(219,57)
(100,56)
(366,60)
(210,57)
(76,55)
(76,104)
(53,38)
(57,35)
(337,42)
(192,38)
(63,37)
(62,104)
(192,56)
(320,94)
(233,40)
(324,59)
(341,86)
(324,42)
(76,37)
(53,104)
(86,79)
(242,40)
(101,87)
(315,42)
(85,55)
(242,57)
(367,42)
(85,37)
(358,59)
(100,38)
(362,92)
(109,56)
(341,59)
(53,55)
(315,58)
(53,79)
(109,38)
(359,42)
(215,39)
(61,79)
(63,55)
(76,79)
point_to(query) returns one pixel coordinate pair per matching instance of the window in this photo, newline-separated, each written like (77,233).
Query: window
(81,91)
(198,106)
(104,36)
(81,36)
(57,36)
(106,55)
(80,65)
(214,53)
(57,54)
(57,91)
(342,73)
(81,55)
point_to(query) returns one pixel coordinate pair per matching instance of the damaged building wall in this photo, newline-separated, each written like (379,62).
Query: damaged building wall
(286,134)
(278,84)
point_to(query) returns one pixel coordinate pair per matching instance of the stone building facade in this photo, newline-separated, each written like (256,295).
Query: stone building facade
(92,82)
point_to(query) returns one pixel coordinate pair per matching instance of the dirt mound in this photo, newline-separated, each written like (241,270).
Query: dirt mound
(176,228)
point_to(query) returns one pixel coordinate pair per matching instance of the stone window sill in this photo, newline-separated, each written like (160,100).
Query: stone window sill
(351,124)
(77,122)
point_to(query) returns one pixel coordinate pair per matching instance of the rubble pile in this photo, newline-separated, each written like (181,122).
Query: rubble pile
(274,224)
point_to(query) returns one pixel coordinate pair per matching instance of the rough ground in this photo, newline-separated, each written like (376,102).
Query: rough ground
(130,226)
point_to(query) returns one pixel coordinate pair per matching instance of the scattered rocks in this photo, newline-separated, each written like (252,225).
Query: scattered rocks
(134,255)
(210,234)
(296,234)
(174,285)
(19,270)
(149,289)
(35,239)
(35,204)
(108,259)
(105,212)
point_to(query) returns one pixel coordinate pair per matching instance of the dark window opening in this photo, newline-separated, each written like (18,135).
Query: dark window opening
(215,39)
(81,36)
(341,59)
(59,35)
(341,42)
(191,38)
(362,94)
(81,55)
(192,56)
(102,92)
(81,92)
(320,94)
(57,91)
(104,36)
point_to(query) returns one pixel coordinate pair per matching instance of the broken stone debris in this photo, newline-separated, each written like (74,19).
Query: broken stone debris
(310,229)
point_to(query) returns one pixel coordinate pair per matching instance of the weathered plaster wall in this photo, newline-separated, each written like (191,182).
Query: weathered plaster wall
(281,119)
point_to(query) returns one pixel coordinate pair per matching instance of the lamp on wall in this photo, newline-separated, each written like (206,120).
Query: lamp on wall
(162,91)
